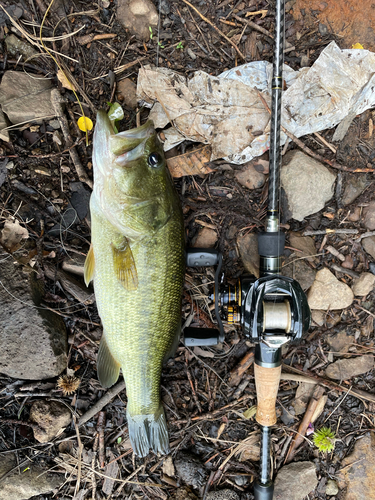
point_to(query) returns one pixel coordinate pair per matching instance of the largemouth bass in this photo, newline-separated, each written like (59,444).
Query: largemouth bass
(136,260)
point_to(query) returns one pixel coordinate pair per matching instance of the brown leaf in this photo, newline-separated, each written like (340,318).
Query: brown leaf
(63,79)
(12,235)
(192,163)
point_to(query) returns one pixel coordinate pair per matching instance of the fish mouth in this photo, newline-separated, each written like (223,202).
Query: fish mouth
(126,141)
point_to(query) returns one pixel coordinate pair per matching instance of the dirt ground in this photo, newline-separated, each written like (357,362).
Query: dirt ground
(205,410)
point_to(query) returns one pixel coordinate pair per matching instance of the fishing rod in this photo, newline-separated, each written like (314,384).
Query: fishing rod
(272,309)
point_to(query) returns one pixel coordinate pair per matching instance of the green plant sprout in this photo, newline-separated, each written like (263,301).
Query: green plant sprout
(179,46)
(324,439)
(160,45)
(151,33)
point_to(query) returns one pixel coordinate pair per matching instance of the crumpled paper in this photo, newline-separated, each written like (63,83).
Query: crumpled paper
(227,112)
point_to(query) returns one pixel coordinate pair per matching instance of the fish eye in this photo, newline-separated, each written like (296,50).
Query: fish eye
(154,160)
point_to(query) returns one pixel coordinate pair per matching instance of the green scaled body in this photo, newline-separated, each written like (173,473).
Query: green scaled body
(136,260)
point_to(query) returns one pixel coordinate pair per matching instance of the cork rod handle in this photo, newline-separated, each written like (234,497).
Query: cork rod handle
(267,385)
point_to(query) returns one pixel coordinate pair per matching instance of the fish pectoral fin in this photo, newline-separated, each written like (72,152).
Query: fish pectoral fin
(89,266)
(107,367)
(124,265)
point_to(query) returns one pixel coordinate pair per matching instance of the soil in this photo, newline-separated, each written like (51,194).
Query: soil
(204,413)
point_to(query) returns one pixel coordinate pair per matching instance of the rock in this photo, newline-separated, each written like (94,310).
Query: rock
(369,245)
(369,216)
(251,176)
(184,493)
(206,238)
(4,134)
(31,481)
(18,47)
(308,185)
(14,10)
(24,98)
(354,186)
(340,342)
(363,285)
(295,481)
(298,269)
(358,470)
(344,369)
(331,488)
(191,470)
(248,249)
(52,417)
(127,93)
(80,199)
(327,292)
(304,243)
(222,495)
(138,16)
(303,395)
(321,318)
(33,340)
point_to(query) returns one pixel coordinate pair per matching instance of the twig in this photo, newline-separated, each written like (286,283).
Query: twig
(335,252)
(341,269)
(79,459)
(193,390)
(238,371)
(299,436)
(93,478)
(57,106)
(100,427)
(107,398)
(326,143)
(216,28)
(366,235)
(330,231)
(254,26)
(300,376)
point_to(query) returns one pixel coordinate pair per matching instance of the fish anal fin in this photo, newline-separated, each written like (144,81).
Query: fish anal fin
(107,367)
(124,265)
(89,266)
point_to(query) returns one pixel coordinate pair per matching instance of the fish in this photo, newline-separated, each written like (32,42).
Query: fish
(137,263)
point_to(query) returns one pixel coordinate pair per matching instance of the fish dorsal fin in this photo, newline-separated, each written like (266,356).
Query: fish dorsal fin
(89,267)
(124,265)
(107,367)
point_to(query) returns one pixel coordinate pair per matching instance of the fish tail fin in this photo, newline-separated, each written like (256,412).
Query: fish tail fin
(107,367)
(148,431)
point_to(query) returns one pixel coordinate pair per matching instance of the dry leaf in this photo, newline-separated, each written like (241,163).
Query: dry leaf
(12,235)
(250,448)
(64,80)
(263,12)
(168,467)
(250,412)
(319,408)
(192,163)
(221,430)
(202,352)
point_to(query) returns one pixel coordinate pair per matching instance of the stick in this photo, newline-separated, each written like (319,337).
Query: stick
(57,105)
(238,371)
(216,28)
(99,405)
(299,436)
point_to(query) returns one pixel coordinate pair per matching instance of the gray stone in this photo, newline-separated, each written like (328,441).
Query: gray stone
(51,416)
(331,488)
(358,470)
(55,124)
(363,285)
(327,292)
(304,243)
(295,481)
(191,470)
(222,495)
(307,184)
(369,245)
(354,186)
(344,369)
(33,339)
(4,134)
(31,481)
(369,213)
(250,177)
(18,47)
(24,98)
(127,93)
(138,16)
(248,249)
(296,268)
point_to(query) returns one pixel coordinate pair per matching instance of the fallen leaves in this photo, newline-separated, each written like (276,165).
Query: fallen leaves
(12,235)
(192,163)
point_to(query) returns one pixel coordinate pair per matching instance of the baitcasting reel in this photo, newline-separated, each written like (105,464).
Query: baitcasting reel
(272,309)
